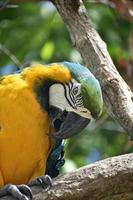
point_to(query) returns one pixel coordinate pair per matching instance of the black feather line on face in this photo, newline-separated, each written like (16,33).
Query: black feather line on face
(65,93)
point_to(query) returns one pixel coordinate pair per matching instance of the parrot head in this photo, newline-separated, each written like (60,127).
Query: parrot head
(74,104)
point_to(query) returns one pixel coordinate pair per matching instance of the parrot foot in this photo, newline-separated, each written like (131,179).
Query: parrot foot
(44,181)
(20,192)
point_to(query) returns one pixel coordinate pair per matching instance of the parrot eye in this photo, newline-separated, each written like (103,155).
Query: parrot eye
(73,94)
(75,90)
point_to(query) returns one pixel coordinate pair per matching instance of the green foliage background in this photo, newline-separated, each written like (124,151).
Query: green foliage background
(36,33)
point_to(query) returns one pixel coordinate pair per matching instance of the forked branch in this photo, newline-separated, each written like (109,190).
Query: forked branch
(117,95)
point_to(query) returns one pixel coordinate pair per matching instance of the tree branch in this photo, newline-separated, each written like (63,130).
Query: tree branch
(10,55)
(117,95)
(111,178)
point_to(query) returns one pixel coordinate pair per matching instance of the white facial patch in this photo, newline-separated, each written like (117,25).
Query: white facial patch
(68,97)
(57,97)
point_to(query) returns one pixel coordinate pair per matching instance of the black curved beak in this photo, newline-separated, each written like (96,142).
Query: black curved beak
(66,124)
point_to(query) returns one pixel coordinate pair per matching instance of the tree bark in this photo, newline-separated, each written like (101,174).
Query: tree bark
(109,179)
(118,97)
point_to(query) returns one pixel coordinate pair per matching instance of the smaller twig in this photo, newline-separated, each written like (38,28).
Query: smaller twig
(12,6)
(10,55)
(5,4)
(104,2)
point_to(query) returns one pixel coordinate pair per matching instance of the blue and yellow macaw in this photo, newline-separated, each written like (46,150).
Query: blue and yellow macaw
(40,106)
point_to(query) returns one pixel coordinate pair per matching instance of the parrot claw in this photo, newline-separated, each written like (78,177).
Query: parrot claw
(20,192)
(44,181)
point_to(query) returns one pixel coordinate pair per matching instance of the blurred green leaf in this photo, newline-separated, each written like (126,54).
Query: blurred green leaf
(47,50)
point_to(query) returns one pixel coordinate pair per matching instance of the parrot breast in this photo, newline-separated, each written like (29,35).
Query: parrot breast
(24,133)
